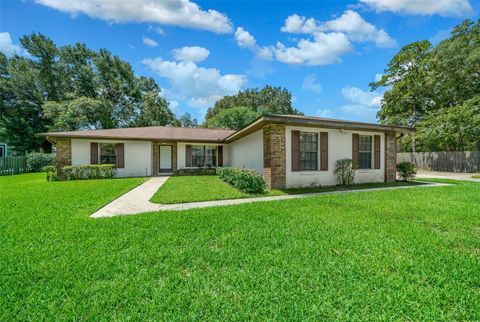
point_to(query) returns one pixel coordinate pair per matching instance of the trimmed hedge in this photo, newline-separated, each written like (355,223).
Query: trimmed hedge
(94,171)
(51,171)
(195,172)
(36,161)
(245,180)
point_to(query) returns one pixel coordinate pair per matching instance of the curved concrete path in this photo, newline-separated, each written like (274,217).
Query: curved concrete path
(137,200)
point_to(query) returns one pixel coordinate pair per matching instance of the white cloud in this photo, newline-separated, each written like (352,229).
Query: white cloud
(326,48)
(361,113)
(310,84)
(6,45)
(446,8)
(327,113)
(378,77)
(182,13)
(357,29)
(149,42)
(350,23)
(245,40)
(193,53)
(200,87)
(360,97)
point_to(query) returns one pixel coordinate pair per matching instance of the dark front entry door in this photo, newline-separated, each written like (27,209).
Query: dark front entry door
(165,159)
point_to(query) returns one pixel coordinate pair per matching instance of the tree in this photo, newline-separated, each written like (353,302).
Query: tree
(72,88)
(233,118)
(186,120)
(408,97)
(268,100)
(454,128)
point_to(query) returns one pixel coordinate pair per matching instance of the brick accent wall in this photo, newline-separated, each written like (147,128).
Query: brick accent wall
(390,157)
(64,155)
(274,155)
(155,155)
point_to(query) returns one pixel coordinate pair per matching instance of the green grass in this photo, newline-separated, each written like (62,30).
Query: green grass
(200,188)
(476,176)
(205,188)
(408,254)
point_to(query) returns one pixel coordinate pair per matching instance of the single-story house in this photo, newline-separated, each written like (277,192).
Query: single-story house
(289,150)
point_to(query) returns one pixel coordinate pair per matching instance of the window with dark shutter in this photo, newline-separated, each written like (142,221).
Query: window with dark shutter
(220,156)
(356,150)
(188,155)
(323,151)
(120,155)
(377,151)
(93,153)
(295,150)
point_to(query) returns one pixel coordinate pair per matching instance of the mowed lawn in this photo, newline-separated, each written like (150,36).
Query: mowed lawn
(200,188)
(410,254)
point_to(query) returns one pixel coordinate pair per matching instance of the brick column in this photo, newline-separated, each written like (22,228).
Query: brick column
(174,156)
(274,155)
(155,160)
(64,155)
(390,157)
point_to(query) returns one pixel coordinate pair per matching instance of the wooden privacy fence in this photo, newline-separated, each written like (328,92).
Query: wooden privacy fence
(13,165)
(458,161)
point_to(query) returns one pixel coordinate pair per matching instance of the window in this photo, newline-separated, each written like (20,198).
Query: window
(2,151)
(308,151)
(204,156)
(108,153)
(365,150)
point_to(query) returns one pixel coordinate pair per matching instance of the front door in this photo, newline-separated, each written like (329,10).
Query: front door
(165,158)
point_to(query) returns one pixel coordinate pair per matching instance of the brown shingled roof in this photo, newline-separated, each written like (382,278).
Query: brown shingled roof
(160,133)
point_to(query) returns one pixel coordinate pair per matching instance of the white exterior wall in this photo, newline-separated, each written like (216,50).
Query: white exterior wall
(247,152)
(138,156)
(339,147)
(181,149)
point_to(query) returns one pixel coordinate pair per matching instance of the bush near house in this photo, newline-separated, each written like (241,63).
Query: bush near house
(37,160)
(406,170)
(95,171)
(245,180)
(345,171)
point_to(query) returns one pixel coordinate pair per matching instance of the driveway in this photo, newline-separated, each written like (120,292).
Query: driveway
(446,175)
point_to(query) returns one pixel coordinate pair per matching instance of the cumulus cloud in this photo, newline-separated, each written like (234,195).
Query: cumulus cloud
(446,8)
(182,13)
(362,106)
(193,53)
(198,86)
(6,45)
(149,42)
(327,113)
(245,40)
(310,84)
(326,48)
(350,23)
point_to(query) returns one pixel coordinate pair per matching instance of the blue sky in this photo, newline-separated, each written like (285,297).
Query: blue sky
(324,52)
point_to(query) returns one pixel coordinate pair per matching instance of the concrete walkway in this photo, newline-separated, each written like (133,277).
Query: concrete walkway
(446,175)
(137,200)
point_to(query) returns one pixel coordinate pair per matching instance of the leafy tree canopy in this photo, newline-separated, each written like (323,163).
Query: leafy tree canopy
(425,84)
(72,88)
(268,100)
(233,118)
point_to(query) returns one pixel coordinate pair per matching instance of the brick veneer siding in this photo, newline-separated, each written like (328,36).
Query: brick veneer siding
(274,155)
(390,157)
(64,155)
(155,154)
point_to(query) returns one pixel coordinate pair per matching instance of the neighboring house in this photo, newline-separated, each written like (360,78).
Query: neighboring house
(290,151)
(3,150)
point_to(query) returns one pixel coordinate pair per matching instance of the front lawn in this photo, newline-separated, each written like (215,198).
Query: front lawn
(409,254)
(200,188)
(204,188)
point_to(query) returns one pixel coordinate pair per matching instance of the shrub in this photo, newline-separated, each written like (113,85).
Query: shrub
(51,171)
(406,170)
(36,160)
(195,172)
(94,171)
(245,180)
(345,171)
